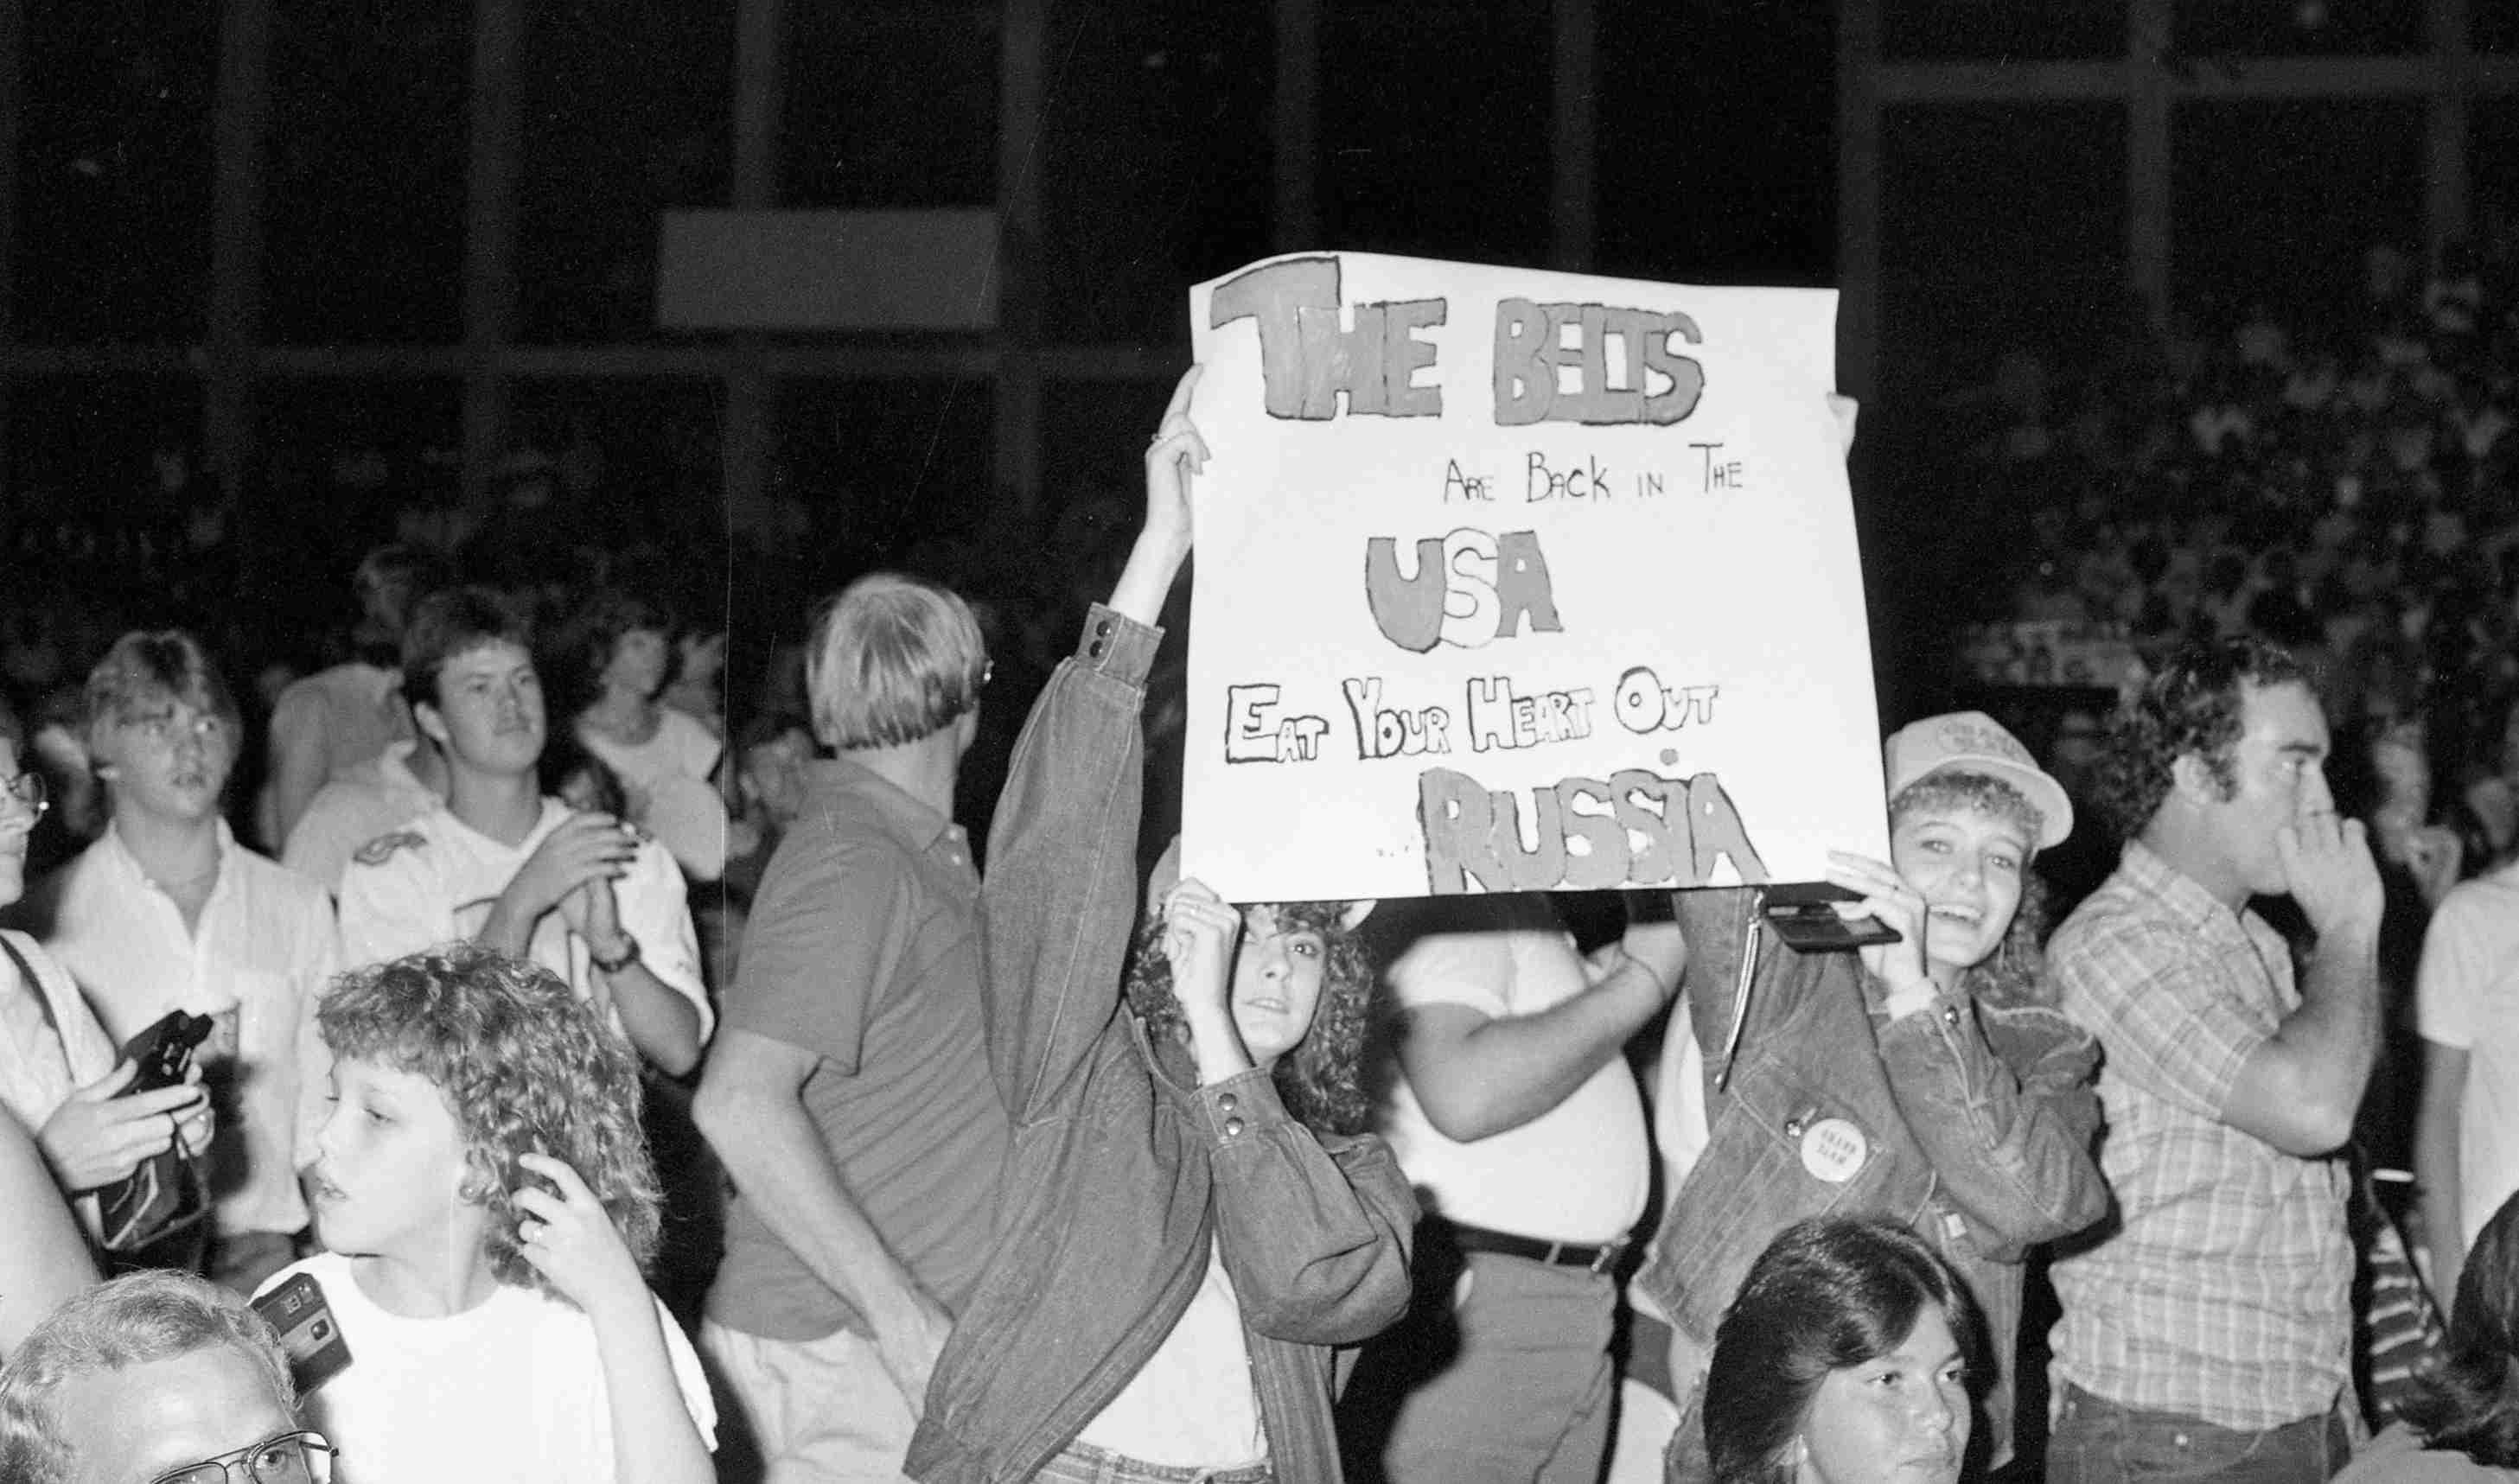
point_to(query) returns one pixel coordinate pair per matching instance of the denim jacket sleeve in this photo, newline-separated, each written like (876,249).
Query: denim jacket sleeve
(2009,1138)
(1061,895)
(1315,1230)
(1716,925)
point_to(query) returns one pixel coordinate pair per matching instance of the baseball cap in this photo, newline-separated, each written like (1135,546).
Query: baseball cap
(1972,742)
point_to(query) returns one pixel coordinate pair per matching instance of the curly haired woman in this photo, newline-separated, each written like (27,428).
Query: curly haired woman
(1192,1216)
(487,1202)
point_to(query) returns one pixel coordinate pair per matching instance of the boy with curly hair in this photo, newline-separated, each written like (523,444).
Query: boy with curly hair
(488,1204)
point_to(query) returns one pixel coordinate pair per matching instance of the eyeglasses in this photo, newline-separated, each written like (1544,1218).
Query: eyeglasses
(28,789)
(292,1457)
(166,731)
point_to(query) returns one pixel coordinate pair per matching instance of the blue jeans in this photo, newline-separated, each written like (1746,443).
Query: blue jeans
(1085,1464)
(2096,1441)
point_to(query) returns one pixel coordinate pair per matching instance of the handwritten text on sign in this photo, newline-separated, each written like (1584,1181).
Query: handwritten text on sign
(1516,580)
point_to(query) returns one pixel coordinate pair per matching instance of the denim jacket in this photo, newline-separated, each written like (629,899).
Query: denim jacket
(1971,1124)
(1123,1168)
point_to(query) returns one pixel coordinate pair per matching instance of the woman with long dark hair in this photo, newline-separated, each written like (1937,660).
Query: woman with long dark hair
(1845,1359)
(2462,1422)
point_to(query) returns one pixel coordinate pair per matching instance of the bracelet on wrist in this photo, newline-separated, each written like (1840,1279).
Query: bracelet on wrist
(614,963)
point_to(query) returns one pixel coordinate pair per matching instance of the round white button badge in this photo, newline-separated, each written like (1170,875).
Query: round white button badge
(1833,1151)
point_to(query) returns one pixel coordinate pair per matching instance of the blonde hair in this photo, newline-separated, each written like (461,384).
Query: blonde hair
(891,659)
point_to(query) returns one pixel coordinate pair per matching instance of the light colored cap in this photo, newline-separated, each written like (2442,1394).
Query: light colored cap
(1972,742)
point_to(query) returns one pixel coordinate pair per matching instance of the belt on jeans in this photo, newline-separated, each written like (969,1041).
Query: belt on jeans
(1556,1254)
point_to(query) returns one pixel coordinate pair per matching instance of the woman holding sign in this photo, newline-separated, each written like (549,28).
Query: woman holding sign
(1928,1079)
(1187,1226)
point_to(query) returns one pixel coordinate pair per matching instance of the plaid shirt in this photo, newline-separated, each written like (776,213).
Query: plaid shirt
(2226,1293)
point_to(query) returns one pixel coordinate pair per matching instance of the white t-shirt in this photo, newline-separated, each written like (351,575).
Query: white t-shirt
(435,879)
(2466,996)
(369,800)
(1192,1405)
(511,1392)
(1578,1172)
(666,778)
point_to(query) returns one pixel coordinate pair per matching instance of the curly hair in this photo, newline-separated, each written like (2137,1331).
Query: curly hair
(2192,706)
(2014,975)
(526,1066)
(1323,1079)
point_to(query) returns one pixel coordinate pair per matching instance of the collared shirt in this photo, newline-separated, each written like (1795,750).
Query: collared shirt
(262,949)
(369,800)
(864,949)
(435,879)
(2225,1293)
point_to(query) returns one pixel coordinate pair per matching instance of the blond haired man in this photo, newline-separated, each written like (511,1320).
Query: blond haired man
(849,1091)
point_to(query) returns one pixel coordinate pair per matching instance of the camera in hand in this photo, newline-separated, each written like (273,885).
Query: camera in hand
(164,1051)
(1805,915)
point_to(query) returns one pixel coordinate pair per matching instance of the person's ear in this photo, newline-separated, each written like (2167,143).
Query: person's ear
(431,726)
(2191,778)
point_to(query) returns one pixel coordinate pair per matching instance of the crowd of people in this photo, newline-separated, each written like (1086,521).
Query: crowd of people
(590,1079)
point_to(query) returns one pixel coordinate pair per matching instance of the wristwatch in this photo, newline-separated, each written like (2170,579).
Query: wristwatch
(629,955)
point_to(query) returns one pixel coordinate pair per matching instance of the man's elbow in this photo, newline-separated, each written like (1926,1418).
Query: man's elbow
(1464,1117)
(2312,1128)
(724,1108)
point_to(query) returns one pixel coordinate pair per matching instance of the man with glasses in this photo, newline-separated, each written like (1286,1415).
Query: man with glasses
(168,911)
(155,1379)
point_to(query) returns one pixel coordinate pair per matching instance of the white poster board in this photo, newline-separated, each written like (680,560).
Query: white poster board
(1519,580)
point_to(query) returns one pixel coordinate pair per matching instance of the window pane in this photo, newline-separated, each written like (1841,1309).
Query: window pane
(351,462)
(1434,129)
(1972,30)
(1094,444)
(2277,202)
(103,479)
(365,185)
(2494,27)
(881,465)
(2001,225)
(591,184)
(1157,168)
(1694,187)
(115,170)
(637,469)
(2299,27)
(2493,168)
(891,103)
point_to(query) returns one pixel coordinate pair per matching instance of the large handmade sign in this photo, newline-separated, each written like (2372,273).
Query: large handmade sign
(1519,580)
